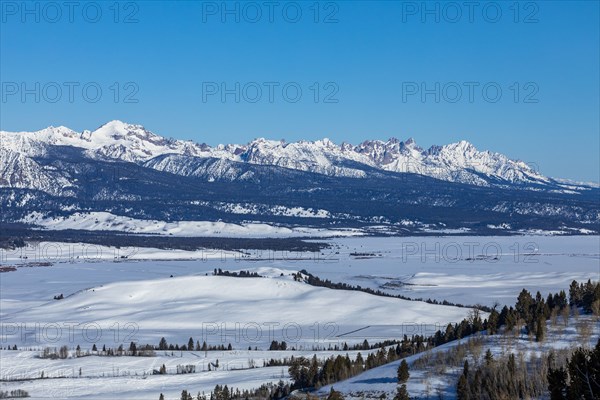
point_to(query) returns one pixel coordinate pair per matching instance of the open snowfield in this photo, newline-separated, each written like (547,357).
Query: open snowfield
(95,221)
(136,299)
(465,269)
(461,269)
(131,377)
(143,387)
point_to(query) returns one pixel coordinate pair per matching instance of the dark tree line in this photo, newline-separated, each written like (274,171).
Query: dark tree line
(240,274)
(366,346)
(267,391)
(14,394)
(313,374)
(18,235)
(585,295)
(307,277)
(133,351)
(275,345)
(307,373)
(191,346)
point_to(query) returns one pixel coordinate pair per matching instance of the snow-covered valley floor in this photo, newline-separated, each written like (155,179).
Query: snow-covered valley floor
(160,293)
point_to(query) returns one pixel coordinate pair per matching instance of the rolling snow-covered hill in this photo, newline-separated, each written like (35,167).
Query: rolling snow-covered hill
(188,305)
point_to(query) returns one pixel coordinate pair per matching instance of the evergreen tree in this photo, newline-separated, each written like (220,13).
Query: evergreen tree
(162,345)
(161,397)
(313,371)
(511,319)
(540,329)
(190,345)
(403,373)
(561,300)
(186,396)
(298,371)
(524,305)
(489,357)
(493,322)
(557,383)
(225,390)
(462,388)
(584,374)
(511,364)
(574,294)
(402,393)
(133,349)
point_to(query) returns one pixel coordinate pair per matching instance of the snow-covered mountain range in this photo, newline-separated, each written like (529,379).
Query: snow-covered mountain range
(116,140)
(128,171)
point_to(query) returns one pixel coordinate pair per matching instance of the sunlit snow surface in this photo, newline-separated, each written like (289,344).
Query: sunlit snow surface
(97,221)
(138,294)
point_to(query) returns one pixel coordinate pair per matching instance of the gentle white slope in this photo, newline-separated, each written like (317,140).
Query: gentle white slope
(185,305)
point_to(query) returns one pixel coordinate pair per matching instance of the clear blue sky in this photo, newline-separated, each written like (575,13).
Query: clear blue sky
(373,55)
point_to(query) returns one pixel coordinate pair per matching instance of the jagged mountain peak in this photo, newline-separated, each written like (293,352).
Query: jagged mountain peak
(459,161)
(118,124)
(175,179)
(54,134)
(113,140)
(57,130)
(461,145)
(118,130)
(261,141)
